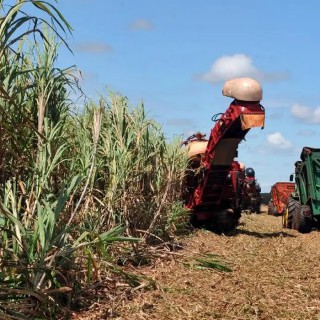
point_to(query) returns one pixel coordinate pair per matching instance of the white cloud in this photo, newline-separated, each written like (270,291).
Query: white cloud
(238,65)
(306,114)
(141,24)
(228,67)
(277,141)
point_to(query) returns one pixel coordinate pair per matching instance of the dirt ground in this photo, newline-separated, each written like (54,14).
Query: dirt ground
(275,275)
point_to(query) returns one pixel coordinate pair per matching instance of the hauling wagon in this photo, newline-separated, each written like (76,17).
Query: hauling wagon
(280,192)
(214,178)
(303,207)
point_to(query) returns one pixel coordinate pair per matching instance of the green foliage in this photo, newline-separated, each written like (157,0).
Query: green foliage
(71,184)
(209,261)
(178,221)
(137,175)
(16,24)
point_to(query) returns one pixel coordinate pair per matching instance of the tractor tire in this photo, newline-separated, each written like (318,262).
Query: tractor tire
(272,210)
(287,217)
(301,222)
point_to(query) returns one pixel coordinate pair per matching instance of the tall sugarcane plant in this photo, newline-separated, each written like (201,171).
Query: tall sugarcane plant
(36,198)
(138,174)
(17,78)
(70,184)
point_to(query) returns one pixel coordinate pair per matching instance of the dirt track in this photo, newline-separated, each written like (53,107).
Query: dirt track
(275,275)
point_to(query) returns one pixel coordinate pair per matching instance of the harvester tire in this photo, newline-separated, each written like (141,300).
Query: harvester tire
(272,210)
(292,206)
(257,208)
(300,222)
(225,221)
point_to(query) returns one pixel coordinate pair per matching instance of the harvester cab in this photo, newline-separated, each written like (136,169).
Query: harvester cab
(303,206)
(214,178)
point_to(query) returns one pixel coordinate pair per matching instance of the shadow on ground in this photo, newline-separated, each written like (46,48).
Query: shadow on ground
(261,234)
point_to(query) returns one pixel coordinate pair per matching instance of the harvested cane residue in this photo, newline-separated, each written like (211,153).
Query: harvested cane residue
(271,273)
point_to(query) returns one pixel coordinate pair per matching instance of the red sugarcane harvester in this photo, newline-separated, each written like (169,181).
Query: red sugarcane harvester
(214,179)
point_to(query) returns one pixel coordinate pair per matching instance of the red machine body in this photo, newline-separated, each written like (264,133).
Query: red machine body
(216,178)
(280,192)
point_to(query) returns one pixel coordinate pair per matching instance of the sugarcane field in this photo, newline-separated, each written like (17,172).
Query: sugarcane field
(135,185)
(259,271)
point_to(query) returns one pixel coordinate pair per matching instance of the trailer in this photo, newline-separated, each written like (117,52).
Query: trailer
(279,194)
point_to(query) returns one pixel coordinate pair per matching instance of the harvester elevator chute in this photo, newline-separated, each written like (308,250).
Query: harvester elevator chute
(214,178)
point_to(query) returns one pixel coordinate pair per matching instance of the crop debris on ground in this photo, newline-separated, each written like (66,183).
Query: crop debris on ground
(274,275)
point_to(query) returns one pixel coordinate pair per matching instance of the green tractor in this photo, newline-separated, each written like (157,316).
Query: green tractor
(303,207)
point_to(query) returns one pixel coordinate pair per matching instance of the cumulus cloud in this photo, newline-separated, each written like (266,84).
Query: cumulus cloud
(141,24)
(306,114)
(277,141)
(238,65)
(93,47)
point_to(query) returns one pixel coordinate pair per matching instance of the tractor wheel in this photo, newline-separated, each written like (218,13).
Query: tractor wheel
(287,217)
(317,223)
(301,222)
(272,210)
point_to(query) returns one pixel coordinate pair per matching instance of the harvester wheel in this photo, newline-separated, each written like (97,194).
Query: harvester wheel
(225,221)
(257,208)
(287,217)
(301,222)
(258,204)
(272,210)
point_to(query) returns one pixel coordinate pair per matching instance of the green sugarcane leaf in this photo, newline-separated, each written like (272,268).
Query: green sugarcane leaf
(65,194)
(41,230)
(44,6)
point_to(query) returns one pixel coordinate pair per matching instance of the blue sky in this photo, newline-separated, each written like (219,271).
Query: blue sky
(175,56)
